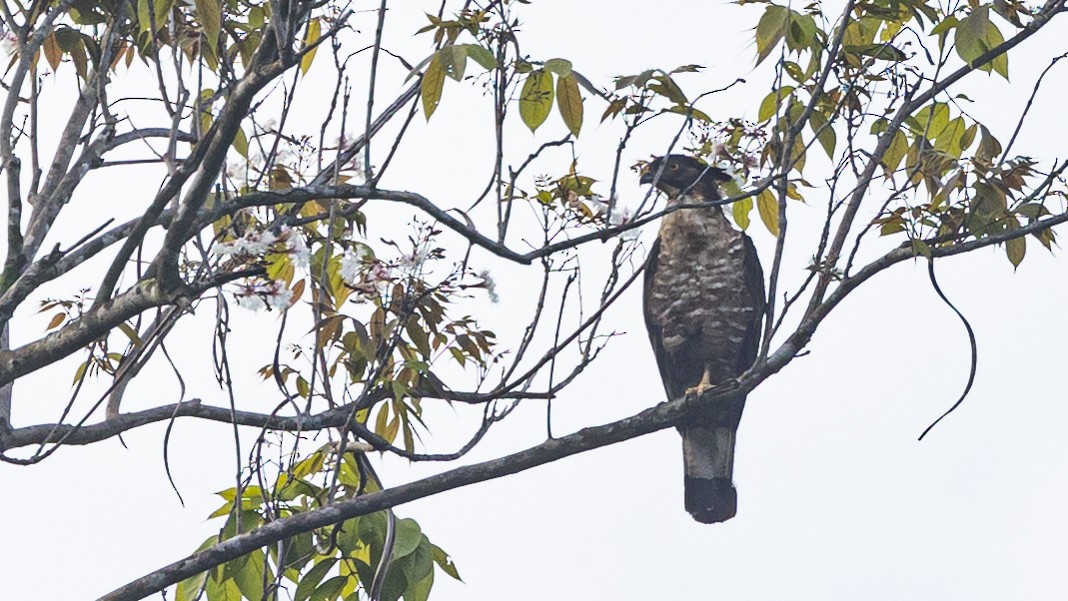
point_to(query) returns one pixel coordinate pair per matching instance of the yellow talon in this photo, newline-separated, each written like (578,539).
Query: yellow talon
(702,386)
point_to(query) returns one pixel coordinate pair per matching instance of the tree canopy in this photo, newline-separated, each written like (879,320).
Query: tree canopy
(255,146)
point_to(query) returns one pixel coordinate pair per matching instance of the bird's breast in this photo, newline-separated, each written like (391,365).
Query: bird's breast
(698,297)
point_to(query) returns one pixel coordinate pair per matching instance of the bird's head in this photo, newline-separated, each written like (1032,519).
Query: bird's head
(676,174)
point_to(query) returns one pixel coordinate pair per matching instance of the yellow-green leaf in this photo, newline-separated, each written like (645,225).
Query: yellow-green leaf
(432,84)
(240,143)
(209,13)
(162,16)
(560,66)
(899,147)
(824,132)
(768,208)
(311,36)
(740,211)
(770,30)
(799,155)
(771,103)
(483,57)
(189,589)
(975,35)
(1015,249)
(569,102)
(454,61)
(536,98)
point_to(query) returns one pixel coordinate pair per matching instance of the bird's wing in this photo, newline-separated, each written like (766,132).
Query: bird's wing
(681,369)
(754,290)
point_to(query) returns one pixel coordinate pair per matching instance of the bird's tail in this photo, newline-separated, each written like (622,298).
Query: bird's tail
(708,455)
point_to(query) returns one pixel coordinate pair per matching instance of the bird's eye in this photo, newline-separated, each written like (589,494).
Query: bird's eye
(674,167)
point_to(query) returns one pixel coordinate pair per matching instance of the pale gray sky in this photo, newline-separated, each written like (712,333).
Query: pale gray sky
(837,499)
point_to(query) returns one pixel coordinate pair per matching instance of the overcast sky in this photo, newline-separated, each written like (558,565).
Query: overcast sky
(836,498)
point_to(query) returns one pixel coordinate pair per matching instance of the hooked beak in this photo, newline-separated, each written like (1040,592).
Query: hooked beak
(647,176)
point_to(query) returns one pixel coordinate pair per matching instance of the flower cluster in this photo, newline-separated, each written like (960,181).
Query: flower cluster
(258,294)
(363,273)
(9,44)
(252,245)
(266,295)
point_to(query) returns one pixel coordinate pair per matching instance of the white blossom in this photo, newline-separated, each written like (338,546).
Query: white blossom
(252,244)
(413,262)
(598,204)
(343,139)
(281,298)
(622,216)
(298,249)
(351,264)
(237,171)
(9,44)
(270,296)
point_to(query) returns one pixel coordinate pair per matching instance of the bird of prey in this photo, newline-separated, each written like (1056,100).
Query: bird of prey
(704,302)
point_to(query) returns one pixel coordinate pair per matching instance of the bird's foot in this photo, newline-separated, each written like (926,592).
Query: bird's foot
(699,390)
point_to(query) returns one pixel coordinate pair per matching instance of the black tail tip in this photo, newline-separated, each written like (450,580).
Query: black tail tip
(711,501)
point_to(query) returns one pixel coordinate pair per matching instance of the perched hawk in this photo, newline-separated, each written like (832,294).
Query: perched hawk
(704,302)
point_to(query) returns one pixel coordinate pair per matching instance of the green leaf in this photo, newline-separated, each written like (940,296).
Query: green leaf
(394,586)
(740,211)
(1015,250)
(688,111)
(311,36)
(949,140)
(770,29)
(989,147)
(407,539)
(310,581)
(432,84)
(797,161)
(249,574)
(899,147)
(569,103)
(240,143)
(420,591)
(945,25)
(968,137)
(994,39)
(768,208)
(372,531)
(445,562)
(666,87)
(975,35)
(824,133)
(162,16)
(189,589)
(222,591)
(454,61)
(330,589)
(348,536)
(209,13)
(883,52)
(559,66)
(482,56)
(536,98)
(419,563)
(418,336)
(771,103)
